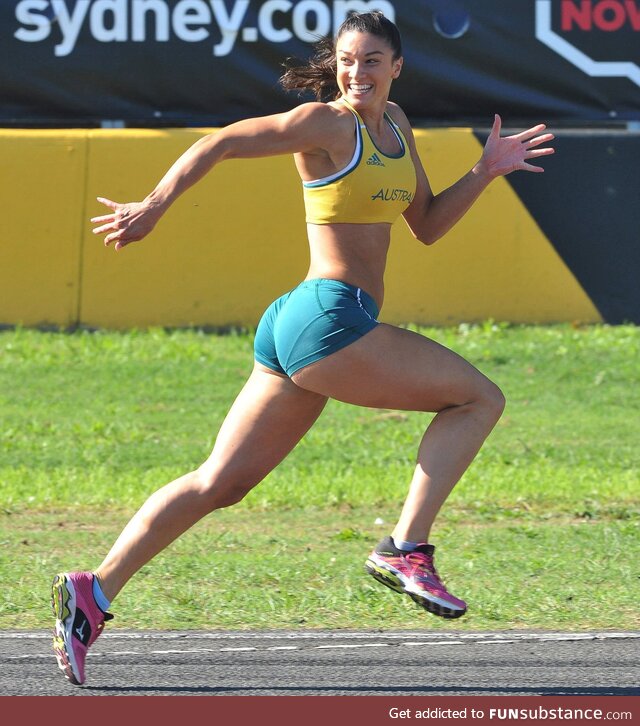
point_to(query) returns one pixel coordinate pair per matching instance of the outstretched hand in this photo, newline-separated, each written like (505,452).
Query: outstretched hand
(502,155)
(126,223)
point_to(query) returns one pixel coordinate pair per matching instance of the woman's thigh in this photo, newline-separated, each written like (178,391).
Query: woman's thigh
(267,419)
(392,367)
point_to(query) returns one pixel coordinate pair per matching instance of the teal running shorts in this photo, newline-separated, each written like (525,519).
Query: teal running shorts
(314,320)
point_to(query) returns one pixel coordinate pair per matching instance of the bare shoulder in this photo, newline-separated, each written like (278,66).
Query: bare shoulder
(322,114)
(328,126)
(399,116)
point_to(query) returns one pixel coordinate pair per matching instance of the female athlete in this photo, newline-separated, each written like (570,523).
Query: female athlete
(360,171)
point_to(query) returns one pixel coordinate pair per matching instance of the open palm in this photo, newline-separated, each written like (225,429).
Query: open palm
(502,155)
(126,223)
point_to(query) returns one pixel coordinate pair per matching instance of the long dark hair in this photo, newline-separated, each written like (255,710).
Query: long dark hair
(318,74)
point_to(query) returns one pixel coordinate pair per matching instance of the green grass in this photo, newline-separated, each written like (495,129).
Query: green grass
(542,532)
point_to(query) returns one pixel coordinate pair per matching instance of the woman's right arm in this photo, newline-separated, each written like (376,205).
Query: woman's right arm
(306,128)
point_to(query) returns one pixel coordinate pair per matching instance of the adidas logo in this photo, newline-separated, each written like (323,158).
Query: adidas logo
(374,160)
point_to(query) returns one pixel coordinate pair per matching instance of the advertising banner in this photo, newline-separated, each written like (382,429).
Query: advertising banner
(210,62)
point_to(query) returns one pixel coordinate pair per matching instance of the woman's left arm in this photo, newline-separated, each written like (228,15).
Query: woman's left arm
(431,216)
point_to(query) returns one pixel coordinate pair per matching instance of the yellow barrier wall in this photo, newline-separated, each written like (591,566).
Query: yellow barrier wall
(42,188)
(236,240)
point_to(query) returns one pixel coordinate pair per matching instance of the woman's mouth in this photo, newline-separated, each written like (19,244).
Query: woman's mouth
(360,88)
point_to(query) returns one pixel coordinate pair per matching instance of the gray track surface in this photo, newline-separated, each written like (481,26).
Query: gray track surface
(327,663)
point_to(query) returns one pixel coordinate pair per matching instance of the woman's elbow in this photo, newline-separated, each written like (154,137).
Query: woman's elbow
(424,235)
(420,227)
(428,240)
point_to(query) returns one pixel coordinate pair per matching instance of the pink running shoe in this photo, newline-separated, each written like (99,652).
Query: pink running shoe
(414,574)
(79,621)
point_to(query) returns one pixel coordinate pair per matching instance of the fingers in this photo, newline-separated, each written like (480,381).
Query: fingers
(536,141)
(113,237)
(114,230)
(530,139)
(111,223)
(528,136)
(104,227)
(534,154)
(108,203)
(107,222)
(540,152)
(123,243)
(118,238)
(529,133)
(530,167)
(104,218)
(119,243)
(497,126)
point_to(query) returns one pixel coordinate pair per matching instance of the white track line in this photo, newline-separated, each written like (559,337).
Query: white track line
(333,635)
(398,639)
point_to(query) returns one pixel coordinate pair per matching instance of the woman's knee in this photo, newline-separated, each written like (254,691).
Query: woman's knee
(222,488)
(492,399)
(479,395)
(473,392)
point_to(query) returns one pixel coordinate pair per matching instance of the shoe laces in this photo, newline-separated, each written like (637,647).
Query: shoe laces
(422,561)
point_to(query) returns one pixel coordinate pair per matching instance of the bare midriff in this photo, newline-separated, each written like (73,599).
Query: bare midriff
(353,253)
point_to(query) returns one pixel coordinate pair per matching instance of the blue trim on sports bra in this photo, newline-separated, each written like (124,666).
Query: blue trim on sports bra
(355,160)
(393,127)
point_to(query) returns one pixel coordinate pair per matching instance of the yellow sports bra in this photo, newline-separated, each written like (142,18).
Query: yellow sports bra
(373,187)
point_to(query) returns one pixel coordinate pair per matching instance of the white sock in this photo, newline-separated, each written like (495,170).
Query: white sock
(405,546)
(99,596)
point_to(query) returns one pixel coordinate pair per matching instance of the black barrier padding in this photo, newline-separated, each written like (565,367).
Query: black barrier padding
(587,203)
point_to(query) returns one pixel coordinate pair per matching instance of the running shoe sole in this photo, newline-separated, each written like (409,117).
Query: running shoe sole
(63,603)
(394,580)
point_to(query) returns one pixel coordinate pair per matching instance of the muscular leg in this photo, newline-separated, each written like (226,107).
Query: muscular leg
(395,368)
(268,418)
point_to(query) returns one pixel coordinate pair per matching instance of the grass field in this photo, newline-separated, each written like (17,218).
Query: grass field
(542,532)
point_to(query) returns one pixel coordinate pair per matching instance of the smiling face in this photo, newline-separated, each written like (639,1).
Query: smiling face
(365,69)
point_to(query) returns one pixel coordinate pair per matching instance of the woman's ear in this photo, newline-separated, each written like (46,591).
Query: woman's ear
(397,67)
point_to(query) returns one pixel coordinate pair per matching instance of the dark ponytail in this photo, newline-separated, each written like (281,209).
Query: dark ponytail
(318,75)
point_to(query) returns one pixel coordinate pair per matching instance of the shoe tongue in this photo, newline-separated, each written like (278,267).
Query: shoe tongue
(426,549)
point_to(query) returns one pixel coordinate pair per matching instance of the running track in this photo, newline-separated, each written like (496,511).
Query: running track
(299,663)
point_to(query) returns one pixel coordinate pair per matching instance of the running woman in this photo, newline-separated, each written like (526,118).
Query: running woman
(360,171)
